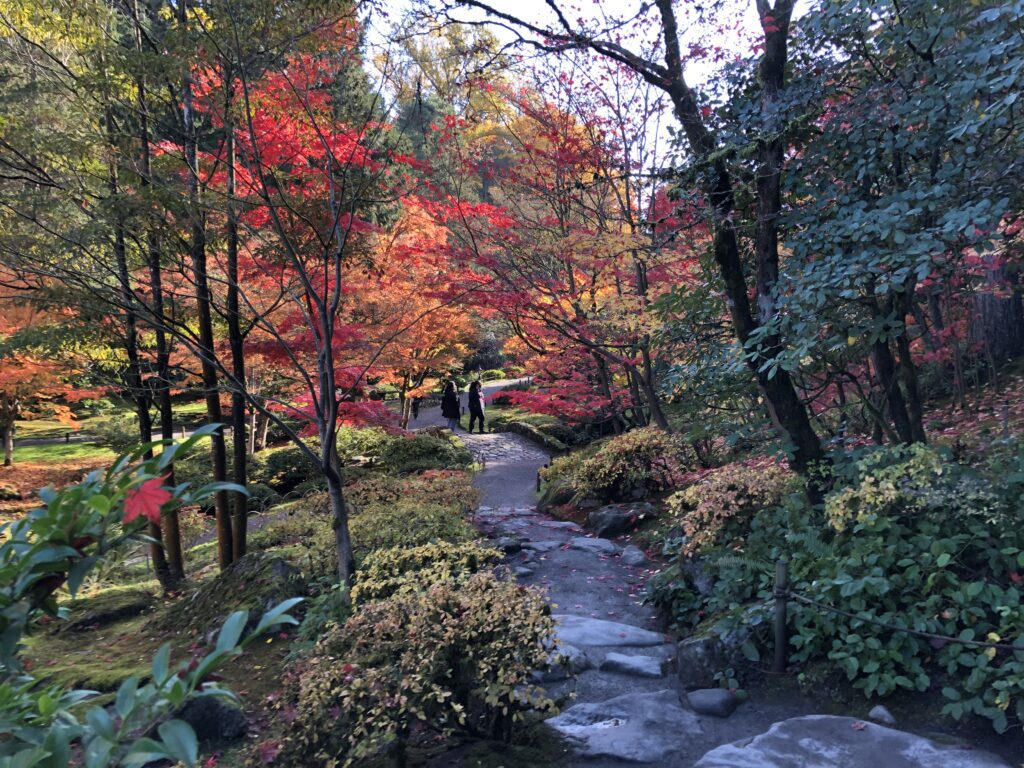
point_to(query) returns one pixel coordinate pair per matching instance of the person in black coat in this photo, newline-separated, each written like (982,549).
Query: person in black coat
(450,407)
(476,406)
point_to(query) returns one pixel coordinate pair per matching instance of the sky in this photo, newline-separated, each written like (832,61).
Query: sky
(740,16)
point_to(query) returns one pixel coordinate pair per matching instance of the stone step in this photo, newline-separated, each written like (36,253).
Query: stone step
(585,631)
(637,666)
(597,546)
(823,741)
(635,727)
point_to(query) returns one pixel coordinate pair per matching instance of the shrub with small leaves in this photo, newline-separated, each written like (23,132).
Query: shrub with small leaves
(422,451)
(457,656)
(648,460)
(718,508)
(399,571)
(407,523)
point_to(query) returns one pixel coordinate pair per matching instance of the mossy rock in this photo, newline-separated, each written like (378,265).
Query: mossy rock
(105,608)
(7,493)
(255,583)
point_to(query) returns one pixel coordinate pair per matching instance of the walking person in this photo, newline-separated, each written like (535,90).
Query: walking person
(416,407)
(450,408)
(476,405)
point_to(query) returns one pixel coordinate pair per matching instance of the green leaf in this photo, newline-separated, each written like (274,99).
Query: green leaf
(943,560)
(231,631)
(161,663)
(180,741)
(750,651)
(125,701)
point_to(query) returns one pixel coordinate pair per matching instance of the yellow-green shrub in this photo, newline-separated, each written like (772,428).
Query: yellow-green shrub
(717,510)
(456,656)
(646,459)
(399,571)
(407,523)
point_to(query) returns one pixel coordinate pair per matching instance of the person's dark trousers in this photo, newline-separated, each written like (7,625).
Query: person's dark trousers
(473,416)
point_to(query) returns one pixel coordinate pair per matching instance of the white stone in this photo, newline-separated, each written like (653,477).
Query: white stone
(597,546)
(638,666)
(585,631)
(636,727)
(824,741)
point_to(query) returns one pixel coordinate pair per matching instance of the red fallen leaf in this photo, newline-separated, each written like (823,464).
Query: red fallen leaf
(146,501)
(1016,578)
(859,725)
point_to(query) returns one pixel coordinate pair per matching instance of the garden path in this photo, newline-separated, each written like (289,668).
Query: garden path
(626,694)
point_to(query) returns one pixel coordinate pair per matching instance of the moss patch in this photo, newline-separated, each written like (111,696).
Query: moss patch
(96,660)
(254,583)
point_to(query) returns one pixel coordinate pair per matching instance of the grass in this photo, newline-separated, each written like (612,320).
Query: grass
(61,452)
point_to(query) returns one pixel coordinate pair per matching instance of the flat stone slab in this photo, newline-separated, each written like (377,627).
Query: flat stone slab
(823,741)
(542,546)
(560,524)
(638,666)
(597,546)
(634,556)
(585,631)
(636,727)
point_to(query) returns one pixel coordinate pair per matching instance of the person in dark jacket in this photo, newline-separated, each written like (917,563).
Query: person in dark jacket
(450,407)
(476,406)
(416,407)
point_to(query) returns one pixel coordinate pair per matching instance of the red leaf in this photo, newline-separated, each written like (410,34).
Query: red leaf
(146,501)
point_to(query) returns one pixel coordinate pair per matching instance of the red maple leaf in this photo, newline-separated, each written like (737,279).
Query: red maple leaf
(146,501)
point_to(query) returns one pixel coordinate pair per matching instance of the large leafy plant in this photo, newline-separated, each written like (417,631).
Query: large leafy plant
(55,547)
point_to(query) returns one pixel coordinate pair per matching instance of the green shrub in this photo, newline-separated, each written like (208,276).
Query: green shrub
(717,510)
(399,571)
(407,523)
(119,433)
(283,469)
(368,441)
(644,460)
(908,539)
(492,374)
(419,452)
(450,488)
(456,657)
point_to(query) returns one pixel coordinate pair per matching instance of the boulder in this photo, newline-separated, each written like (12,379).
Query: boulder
(697,661)
(824,741)
(616,519)
(633,556)
(585,631)
(522,572)
(718,702)
(638,666)
(882,715)
(636,727)
(596,546)
(509,544)
(214,719)
(565,661)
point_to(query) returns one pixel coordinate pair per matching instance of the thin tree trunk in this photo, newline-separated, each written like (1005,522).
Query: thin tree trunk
(261,442)
(225,545)
(8,438)
(908,378)
(169,521)
(339,515)
(885,368)
(240,507)
(133,375)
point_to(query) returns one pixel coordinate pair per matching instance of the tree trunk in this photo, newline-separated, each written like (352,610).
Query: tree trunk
(169,521)
(133,375)
(787,410)
(205,347)
(908,378)
(8,438)
(261,442)
(240,506)
(885,368)
(339,516)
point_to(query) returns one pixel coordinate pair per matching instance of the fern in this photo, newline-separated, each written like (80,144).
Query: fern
(742,561)
(811,542)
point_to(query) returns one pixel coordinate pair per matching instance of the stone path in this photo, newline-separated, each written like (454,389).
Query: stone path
(626,707)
